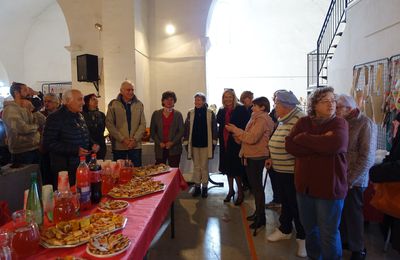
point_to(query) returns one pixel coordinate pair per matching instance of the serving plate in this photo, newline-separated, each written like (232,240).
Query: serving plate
(47,245)
(108,255)
(114,210)
(137,196)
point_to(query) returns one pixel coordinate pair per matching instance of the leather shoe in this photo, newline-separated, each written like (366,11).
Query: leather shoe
(360,255)
(239,200)
(259,222)
(229,196)
(196,192)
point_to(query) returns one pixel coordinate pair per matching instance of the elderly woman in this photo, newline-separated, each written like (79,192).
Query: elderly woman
(288,114)
(200,139)
(254,152)
(229,162)
(360,158)
(96,123)
(319,142)
(166,129)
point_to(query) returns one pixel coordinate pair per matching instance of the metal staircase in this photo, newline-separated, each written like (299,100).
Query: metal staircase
(328,40)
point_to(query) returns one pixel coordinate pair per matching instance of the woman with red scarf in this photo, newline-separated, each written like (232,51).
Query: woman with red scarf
(229,163)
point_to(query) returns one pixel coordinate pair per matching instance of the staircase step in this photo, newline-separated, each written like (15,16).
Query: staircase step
(339,34)
(334,46)
(324,77)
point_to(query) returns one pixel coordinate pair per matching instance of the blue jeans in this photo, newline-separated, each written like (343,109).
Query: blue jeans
(135,155)
(321,219)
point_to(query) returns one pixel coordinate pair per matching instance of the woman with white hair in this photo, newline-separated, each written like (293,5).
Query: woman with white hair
(360,158)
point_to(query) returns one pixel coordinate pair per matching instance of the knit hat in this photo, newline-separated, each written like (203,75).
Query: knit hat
(286,98)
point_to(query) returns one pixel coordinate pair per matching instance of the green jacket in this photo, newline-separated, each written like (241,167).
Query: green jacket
(22,128)
(175,132)
(117,123)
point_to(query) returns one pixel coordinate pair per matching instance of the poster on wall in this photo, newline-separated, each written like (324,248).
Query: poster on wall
(57,88)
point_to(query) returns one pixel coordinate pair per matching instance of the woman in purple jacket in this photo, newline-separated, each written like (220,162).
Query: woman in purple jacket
(319,142)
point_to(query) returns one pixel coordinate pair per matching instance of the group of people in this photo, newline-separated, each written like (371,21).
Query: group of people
(58,135)
(318,162)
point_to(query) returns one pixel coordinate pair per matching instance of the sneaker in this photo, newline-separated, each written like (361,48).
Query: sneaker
(196,192)
(273,205)
(301,248)
(278,235)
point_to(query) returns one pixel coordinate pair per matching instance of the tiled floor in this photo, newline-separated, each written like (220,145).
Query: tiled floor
(211,229)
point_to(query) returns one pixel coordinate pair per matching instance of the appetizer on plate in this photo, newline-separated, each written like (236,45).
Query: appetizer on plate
(108,245)
(113,206)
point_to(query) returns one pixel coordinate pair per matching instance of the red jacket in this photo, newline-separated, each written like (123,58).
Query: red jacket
(321,166)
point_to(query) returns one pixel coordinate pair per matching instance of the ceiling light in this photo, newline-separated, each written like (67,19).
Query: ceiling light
(98,26)
(169,29)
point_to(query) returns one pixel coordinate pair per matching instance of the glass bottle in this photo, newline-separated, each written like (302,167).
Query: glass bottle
(83,184)
(33,203)
(95,176)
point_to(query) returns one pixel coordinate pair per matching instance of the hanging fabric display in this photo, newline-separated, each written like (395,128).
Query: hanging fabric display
(367,104)
(355,91)
(377,96)
(396,86)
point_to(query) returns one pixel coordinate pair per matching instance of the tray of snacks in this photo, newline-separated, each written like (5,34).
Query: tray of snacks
(113,206)
(137,187)
(151,170)
(108,245)
(77,232)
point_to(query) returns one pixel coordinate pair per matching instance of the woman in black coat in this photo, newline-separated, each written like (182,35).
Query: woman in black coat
(229,162)
(96,123)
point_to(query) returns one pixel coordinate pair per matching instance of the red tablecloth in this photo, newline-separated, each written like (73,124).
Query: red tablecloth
(145,216)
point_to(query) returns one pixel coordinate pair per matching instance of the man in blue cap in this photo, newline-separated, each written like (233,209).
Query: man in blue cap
(283,163)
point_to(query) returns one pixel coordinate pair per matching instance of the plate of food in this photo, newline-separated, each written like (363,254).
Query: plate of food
(151,170)
(76,232)
(137,187)
(113,206)
(108,245)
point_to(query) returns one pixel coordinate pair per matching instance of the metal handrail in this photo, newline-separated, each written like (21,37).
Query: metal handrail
(334,17)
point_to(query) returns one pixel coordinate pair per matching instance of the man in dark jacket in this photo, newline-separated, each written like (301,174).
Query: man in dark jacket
(66,136)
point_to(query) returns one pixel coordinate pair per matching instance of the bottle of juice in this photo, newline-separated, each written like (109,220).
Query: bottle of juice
(83,184)
(95,177)
(33,203)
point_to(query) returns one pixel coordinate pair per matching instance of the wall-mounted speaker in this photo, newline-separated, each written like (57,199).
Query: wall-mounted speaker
(87,68)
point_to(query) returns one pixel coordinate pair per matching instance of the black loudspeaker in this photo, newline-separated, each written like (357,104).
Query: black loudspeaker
(87,68)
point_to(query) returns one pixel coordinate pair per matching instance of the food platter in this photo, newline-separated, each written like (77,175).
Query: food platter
(112,195)
(114,206)
(108,245)
(137,187)
(152,170)
(73,233)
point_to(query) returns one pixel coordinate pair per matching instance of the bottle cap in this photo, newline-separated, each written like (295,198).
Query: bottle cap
(82,158)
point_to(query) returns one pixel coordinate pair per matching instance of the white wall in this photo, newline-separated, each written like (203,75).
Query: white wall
(45,58)
(177,61)
(262,45)
(142,56)
(372,32)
